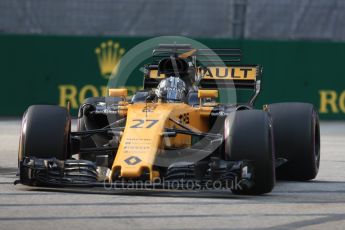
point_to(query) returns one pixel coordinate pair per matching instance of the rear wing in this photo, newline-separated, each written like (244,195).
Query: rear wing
(209,56)
(207,67)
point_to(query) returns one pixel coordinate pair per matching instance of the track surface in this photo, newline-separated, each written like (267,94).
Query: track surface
(318,204)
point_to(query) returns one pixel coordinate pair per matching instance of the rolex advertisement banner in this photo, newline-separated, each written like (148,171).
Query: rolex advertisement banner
(55,70)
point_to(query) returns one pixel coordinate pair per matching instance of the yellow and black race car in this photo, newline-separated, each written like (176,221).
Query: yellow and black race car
(175,133)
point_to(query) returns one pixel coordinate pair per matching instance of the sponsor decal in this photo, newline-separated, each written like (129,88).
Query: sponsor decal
(184,118)
(228,73)
(109,56)
(331,101)
(76,96)
(133,160)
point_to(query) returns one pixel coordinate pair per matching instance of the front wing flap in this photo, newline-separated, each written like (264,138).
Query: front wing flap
(81,173)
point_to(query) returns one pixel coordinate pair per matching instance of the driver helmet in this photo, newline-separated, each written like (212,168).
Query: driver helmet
(171,89)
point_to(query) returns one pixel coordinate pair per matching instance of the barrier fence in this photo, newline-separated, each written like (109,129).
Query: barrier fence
(57,69)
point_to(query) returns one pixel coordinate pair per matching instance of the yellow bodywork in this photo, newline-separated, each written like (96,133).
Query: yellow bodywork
(118,92)
(142,138)
(207,93)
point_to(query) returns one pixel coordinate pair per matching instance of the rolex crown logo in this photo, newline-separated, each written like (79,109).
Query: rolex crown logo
(109,55)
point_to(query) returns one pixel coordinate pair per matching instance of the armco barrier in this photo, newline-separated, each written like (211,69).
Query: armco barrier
(53,69)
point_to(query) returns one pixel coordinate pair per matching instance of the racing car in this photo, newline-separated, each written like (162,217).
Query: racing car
(175,130)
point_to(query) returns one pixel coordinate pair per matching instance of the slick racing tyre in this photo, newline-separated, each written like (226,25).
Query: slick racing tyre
(44,134)
(248,136)
(297,139)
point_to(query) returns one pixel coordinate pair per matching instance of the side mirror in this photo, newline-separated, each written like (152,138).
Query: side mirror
(118,93)
(207,93)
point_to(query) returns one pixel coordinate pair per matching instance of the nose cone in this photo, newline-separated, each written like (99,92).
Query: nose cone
(141,140)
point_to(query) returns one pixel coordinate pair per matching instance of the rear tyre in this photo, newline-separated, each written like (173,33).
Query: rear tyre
(248,136)
(45,134)
(297,138)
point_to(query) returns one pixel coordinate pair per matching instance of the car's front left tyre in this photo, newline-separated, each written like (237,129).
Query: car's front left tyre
(45,134)
(248,137)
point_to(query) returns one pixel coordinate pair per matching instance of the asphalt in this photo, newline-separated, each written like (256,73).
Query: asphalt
(318,204)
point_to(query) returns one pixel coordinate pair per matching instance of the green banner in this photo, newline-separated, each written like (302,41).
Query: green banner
(54,70)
